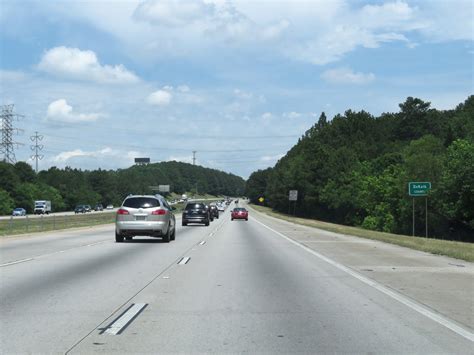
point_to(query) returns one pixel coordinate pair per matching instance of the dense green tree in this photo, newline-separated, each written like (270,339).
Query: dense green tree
(6,203)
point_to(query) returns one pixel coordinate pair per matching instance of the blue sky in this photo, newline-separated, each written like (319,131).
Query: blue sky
(237,81)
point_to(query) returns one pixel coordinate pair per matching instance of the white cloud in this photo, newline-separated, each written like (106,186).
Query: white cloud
(292,115)
(347,76)
(83,65)
(173,12)
(271,158)
(183,88)
(61,111)
(267,117)
(106,153)
(160,97)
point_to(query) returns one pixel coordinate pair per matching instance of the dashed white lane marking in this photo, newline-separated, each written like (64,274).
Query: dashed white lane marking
(396,296)
(16,262)
(51,254)
(203,242)
(184,260)
(125,319)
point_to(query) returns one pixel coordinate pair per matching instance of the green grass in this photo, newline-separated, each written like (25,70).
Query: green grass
(14,226)
(458,250)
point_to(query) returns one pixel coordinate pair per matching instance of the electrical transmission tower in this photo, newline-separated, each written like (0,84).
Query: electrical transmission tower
(194,157)
(7,144)
(37,148)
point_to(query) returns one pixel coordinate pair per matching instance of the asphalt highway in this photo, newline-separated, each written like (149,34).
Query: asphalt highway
(232,287)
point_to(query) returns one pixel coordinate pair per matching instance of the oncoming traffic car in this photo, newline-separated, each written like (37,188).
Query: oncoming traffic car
(145,215)
(239,213)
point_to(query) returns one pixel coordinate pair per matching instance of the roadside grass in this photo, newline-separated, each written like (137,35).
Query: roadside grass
(458,250)
(15,226)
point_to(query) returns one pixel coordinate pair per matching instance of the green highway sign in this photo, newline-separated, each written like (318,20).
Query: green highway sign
(419,188)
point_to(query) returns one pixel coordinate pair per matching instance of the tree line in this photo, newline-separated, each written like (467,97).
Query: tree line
(355,170)
(20,186)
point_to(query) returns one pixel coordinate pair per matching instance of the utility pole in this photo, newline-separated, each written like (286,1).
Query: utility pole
(194,157)
(37,148)
(7,144)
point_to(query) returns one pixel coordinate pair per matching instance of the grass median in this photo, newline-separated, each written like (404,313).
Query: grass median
(21,225)
(44,223)
(458,250)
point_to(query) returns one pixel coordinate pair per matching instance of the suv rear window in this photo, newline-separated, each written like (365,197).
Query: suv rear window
(141,202)
(195,206)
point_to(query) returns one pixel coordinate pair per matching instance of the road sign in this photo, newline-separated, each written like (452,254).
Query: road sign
(293,195)
(419,188)
(261,199)
(164,188)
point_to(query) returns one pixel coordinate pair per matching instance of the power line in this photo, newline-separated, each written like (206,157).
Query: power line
(37,148)
(7,146)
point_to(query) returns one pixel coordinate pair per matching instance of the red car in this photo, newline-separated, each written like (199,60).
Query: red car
(239,213)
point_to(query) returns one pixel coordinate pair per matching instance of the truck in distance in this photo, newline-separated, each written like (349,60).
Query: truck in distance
(42,207)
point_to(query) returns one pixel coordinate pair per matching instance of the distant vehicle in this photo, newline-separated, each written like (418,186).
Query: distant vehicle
(195,212)
(88,208)
(99,207)
(42,207)
(184,197)
(221,207)
(145,215)
(80,209)
(214,211)
(19,212)
(110,207)
(236,201)
(239,213)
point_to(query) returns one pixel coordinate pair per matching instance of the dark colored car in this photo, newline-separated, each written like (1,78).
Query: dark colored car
(99,207)
(80,209)
(239,213)
(213,210)
(88,208)
(196,212)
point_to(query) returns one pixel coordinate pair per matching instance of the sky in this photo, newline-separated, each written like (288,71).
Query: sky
(237,81)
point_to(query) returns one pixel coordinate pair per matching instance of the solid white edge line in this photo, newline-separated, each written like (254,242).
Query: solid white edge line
(16,262)
(184,260)
(400,298)
(117,326)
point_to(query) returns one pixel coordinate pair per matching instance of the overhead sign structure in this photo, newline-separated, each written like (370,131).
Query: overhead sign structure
(164,188)
(261,199)
(293,195)
(419,188)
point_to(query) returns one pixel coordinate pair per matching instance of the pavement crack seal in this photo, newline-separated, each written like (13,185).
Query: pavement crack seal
(423,310)
(125,319)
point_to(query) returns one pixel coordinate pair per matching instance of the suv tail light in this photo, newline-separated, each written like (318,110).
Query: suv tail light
(122,211)
(159,212)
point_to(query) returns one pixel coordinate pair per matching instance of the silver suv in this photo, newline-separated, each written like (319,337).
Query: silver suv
(145,215)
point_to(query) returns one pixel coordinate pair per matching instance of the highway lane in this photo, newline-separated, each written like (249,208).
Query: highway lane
(246,289)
